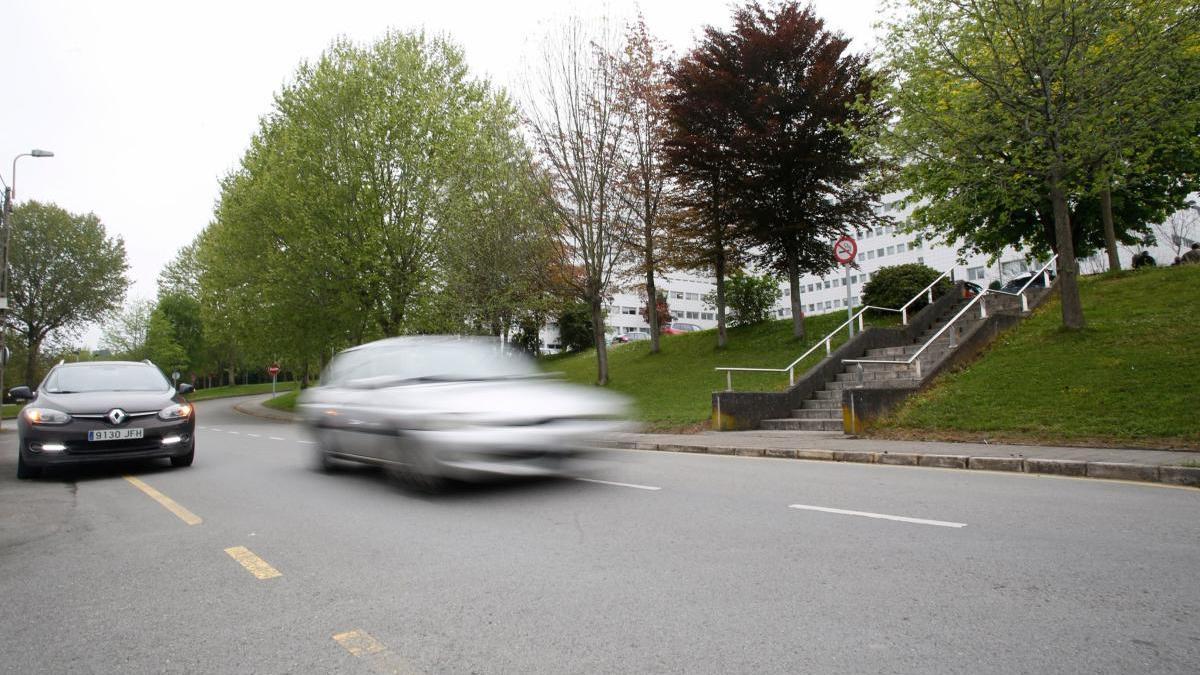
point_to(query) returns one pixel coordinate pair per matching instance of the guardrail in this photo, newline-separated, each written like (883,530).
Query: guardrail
(1044,272)
(790,369)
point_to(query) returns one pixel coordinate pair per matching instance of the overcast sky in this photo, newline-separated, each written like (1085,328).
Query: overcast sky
(147,104)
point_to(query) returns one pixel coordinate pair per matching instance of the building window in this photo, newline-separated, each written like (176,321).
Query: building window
(692,296)
(810,288)
(787,292)
(975,273)
(707,316)
(629,310)
(921,259)
(878,253)
(891,250)
(678,295)
(826,283)
(900,247)
(693,315)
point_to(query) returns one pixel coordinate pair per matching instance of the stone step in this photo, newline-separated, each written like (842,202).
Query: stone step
(878,372)
(790,424)
(826,395)
(818,414)
(823,403)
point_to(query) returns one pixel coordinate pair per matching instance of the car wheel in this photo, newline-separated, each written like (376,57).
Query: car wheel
(322,458)
(24,470)
(184,460)
(419,473)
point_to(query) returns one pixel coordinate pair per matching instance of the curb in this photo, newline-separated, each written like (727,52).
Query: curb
(1145,473)
(265,413)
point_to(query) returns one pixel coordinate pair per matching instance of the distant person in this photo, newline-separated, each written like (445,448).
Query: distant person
(1192,256)
(1143,259)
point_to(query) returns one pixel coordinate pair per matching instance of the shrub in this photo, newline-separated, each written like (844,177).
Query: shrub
(749,298)
(575,328)
(896,285)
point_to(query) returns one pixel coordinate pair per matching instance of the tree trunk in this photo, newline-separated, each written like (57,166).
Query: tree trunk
(651,291)
(1110,232)
(601,343)
(31,354)
(1068,270)
(793,265)
(719,268)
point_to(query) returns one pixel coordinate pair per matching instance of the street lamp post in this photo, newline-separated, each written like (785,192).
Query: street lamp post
(10,195)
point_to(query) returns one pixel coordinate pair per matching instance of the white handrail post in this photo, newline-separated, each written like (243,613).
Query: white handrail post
(982,308)
(827,347)
(918,362)
(729,380)
(860,320)
(904,316)
(1046,277)
(1024,303)
(929,295)
(791,376)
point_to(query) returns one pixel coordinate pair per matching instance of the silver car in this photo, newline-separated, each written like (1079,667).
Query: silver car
(430,408)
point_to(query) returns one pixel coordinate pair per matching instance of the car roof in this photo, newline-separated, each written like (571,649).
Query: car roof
(81,364)
(416,340)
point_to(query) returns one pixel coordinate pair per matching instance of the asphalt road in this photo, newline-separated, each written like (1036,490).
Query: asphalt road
(723,567)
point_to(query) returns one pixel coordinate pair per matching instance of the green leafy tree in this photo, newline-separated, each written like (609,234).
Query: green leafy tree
(1002,106)
(895,285)
(125,333)
(162,348)
(575,327)
(750,298)
(65,272)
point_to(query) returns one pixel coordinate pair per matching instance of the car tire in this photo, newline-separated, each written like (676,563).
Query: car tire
(323,460)
(184,460)
(25,471)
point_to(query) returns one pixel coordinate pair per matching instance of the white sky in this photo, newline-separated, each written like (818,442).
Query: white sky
(147,104)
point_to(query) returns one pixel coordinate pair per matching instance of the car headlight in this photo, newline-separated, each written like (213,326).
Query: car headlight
(45,416)
(177,411)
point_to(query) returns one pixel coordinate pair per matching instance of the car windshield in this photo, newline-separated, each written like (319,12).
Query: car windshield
(104,377)
(430,361)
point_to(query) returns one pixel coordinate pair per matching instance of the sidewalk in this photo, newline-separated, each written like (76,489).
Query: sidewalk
(1159,466)
(254,407)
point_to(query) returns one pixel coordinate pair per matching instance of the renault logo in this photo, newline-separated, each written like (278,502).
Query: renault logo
(116,416)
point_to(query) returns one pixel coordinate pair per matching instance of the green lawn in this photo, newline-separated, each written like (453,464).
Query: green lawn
(1132,377)
(283,401)
(673,389)
(239,390)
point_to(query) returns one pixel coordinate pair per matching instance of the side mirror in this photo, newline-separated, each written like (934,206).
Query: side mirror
(21,393)
(185,388)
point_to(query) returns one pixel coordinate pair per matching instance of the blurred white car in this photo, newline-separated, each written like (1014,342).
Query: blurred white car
(429,408)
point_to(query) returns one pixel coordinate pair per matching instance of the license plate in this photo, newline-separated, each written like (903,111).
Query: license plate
(115,434)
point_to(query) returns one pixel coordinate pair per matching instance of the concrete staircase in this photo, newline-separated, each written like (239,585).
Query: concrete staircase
(823,410)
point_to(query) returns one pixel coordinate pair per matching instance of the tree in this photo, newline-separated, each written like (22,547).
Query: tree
(182,273)
(750,297)
(577,126)
(895,285)
(644,180)
(658,313)
(807,104)
(182,313)
(702,110)
(999,115)
(162,348)
(1180,230)
(576,330)
(66,272)
(125,333)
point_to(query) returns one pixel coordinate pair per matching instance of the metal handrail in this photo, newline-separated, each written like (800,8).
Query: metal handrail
(1044,272)
(828,339)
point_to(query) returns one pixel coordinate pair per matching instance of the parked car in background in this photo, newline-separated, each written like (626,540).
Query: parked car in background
(632,336)
(1015,285)
(680,327)
(431,408)
(102,411)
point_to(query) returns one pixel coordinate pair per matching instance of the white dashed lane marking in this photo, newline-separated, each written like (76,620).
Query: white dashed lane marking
(880,516)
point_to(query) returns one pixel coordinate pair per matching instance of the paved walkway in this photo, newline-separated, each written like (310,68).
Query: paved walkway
(825,440)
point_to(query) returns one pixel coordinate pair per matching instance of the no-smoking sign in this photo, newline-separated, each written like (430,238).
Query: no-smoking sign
(844,250)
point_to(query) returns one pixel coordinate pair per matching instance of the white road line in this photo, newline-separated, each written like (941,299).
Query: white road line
(307,442)
(275,438)
(882,516)
(213,429)
(235,433)
(253,435)
(628,485)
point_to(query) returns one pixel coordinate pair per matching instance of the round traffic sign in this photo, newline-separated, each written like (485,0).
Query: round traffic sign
(273,370)
(844,249)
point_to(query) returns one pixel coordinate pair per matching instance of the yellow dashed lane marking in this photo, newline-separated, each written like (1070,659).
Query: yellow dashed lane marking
(167,503)
(254,564)
(377,657)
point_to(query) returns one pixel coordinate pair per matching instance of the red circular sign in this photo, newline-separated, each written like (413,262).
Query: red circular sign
(844,249)
(273,370)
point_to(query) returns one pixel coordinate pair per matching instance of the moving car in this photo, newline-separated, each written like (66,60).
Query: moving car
(100,411)
(431,408)
(632,336)
(1015,285)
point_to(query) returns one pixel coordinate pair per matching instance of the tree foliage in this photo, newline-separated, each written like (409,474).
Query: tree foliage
(125,333)
(895,285)
(750,298)
(65,272)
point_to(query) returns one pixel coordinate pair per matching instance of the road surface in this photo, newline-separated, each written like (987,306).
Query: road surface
(250,561)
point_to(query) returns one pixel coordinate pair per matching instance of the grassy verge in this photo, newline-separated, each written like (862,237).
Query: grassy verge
(285,402)
(1132,377)
(672,390)
(239,390)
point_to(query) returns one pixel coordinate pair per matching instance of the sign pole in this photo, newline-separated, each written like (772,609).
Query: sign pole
(844,250)
(849,307)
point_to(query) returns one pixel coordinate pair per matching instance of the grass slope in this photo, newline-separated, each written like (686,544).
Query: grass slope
(1132,377)
(239,390)
(673,389)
